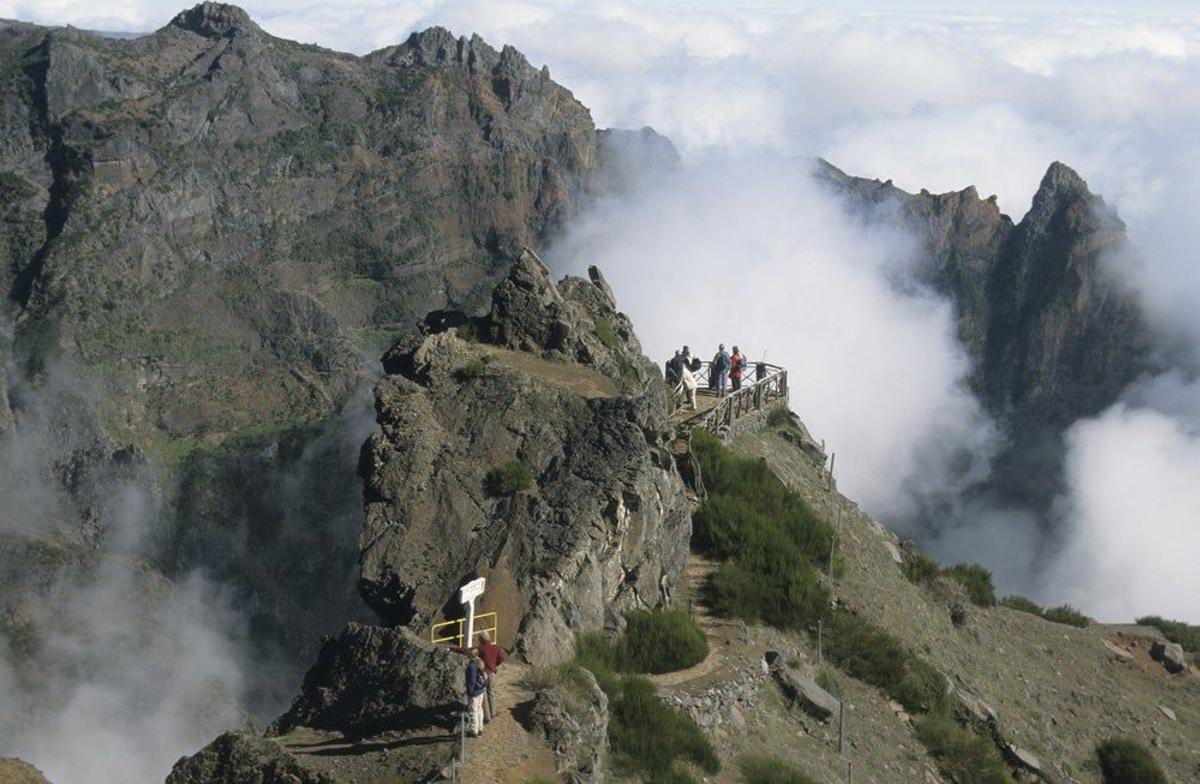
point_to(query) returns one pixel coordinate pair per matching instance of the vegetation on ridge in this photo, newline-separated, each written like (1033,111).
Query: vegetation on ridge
(1185,634)
(770,770)
(772,543)
(976,579)
(647,736)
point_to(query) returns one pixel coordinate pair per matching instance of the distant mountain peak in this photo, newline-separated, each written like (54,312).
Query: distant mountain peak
(215,20)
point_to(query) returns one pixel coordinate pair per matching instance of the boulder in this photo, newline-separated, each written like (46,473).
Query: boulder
(799,687)
(17,771)
(372,679)
(1169,655)
(1022,759)
(972,709)
(235,758)
(572,718)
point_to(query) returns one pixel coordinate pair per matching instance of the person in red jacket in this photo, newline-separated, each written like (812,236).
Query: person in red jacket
(737,365)
(492,656)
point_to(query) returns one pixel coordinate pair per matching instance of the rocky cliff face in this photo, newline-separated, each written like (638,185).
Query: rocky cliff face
(553,381)
(1053,335)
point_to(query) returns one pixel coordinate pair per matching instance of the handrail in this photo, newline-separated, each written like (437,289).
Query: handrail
(435,635)
(754,394)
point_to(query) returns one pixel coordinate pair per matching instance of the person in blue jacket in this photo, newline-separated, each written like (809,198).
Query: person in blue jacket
(476,683)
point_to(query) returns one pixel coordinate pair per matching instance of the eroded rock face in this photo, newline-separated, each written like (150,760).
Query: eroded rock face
(554,378)
(1053,335)
(235,758)
(572,717)
(372,679)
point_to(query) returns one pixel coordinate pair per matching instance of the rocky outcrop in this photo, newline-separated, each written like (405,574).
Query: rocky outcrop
(799,688)
(15,771)
(372,679)
(235,758)
(552,379)
(1053,334)
(1170,655)
(572,718)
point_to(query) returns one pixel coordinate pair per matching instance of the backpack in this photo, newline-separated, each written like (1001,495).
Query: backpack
(721,361)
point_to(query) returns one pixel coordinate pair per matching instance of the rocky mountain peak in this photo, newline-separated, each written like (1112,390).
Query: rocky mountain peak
(1062,188)
(215,20)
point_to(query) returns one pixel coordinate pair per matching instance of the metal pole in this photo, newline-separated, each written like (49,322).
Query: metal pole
(849,772)
(818,642)
(842,729)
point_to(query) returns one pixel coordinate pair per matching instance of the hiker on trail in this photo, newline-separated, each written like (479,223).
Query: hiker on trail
(737,363)
(476,682)
(720,370)
(492,656)
(687,381)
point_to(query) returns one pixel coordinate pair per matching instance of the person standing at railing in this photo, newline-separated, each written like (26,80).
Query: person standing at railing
(720,370)
(737,363)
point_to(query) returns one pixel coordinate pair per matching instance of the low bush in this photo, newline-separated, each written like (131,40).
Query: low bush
(780,416)
(919,568)
(646,735)
(1125,761)
(864,651)
(658,641)
(1068,615)
(508,479)
(774,545)
(472,368)
(976,579)
(1021,604)
(606,334)
(961,754)
(1185,634)
(769,770)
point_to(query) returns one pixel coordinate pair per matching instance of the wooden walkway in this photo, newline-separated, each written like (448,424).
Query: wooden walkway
(717,414)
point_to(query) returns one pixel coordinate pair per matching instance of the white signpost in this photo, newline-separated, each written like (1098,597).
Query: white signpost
(467,595)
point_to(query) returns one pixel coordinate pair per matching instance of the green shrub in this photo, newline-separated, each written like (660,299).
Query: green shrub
(606,334)
(1125,761)
(472,368)
(512,477)
(866,652)
(977,580)
(1185,634)
(658,641)
(780,416)
(1068,615)
(1021,604)
(922,689)
(920,569)
(648,736)
(772,542)
(961,754)
(769,770)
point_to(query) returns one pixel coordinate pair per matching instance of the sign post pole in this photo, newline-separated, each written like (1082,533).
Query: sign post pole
(467,595)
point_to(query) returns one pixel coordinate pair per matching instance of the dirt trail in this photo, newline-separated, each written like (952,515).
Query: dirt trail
(720,632)
(506,752)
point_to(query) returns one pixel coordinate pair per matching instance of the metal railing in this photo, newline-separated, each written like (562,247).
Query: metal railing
(759,388)
(437,631)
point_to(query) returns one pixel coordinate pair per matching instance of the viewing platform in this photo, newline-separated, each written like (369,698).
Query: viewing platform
(764,387)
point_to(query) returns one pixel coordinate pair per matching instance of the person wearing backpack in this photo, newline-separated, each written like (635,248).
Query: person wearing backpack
(737,364)
(720,370)
(476,683)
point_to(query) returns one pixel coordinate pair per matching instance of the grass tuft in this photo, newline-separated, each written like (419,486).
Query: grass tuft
(1021,604)
(976,579)
(770,770)
(511,478)
(920,569)
(961,754)
(1125,761)
(1068,615)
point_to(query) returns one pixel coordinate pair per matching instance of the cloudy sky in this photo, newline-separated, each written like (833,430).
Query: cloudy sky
(936,95)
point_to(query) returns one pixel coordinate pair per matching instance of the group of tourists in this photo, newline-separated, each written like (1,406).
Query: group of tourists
(725,373)
(484,659)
